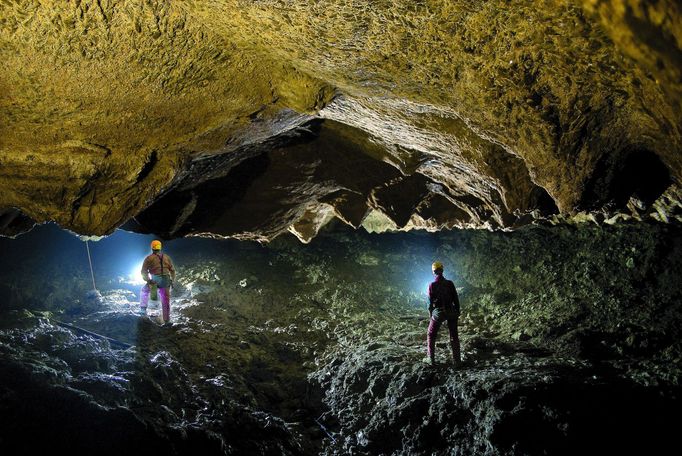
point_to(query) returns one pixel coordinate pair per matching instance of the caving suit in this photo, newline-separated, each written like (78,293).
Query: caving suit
(443,306)
(161,269)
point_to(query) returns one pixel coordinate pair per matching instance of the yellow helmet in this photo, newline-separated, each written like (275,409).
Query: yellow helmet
(437,265)
(156,245)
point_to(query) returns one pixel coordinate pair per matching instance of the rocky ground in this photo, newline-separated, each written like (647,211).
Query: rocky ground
(570,337)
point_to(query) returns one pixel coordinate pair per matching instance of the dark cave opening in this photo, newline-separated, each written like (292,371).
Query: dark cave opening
(634,173)
(14,222)
(543,201)
(643,176)
(216,193)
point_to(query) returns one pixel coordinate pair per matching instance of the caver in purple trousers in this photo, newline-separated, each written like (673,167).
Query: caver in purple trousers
(436,320)
(165,300)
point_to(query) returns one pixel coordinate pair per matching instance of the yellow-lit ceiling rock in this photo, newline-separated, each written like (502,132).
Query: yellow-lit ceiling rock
(487,111)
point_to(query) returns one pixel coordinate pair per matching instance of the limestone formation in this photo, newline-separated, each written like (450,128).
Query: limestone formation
(203,118)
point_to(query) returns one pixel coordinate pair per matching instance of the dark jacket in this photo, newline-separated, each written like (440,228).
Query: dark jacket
(443,294)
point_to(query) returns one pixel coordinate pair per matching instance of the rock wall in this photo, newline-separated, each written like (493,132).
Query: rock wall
(493,113)
(559,326)
(570,336)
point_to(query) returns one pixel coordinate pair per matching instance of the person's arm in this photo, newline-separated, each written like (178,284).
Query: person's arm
(455,297)
(431,304)
(171,268)
(145,270)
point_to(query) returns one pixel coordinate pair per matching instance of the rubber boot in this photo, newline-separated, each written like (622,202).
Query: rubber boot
(456,355)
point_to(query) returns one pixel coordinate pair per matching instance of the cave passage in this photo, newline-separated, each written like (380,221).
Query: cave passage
(570,339)
(305,163)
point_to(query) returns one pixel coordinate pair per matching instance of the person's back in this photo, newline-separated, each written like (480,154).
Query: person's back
(160,266)
(443,294)
(157,270)
(443,306)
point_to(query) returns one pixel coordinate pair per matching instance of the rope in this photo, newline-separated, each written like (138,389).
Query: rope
(326,431)
(92,274)
(93,334)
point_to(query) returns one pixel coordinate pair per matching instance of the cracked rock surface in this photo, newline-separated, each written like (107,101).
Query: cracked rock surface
(491,114)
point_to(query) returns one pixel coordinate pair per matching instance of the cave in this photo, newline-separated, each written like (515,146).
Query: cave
(307,166)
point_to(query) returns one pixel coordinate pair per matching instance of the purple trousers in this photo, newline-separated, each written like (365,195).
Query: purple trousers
(434,325)
(164,293)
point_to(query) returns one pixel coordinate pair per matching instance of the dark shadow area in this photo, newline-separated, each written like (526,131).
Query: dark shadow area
(148,166)
(13,222)
(180,211)
(543,202)
(637,173)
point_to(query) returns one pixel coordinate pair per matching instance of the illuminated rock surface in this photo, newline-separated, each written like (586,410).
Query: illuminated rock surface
(299,121)
(469,115)
(571,341)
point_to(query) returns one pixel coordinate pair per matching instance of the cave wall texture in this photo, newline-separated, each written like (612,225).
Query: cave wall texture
(451,113)
(571,338)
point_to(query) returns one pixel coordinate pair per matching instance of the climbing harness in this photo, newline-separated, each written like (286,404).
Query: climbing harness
(162,279)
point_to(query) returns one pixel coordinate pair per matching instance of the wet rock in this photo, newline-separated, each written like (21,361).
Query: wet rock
(146,402)
(333,366)
(111,390)
(521,336)
(511,404)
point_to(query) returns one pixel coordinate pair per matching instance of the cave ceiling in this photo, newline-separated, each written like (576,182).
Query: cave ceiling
(248,119)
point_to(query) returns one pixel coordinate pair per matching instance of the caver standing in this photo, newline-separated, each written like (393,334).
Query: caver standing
(443,306)
(157,270)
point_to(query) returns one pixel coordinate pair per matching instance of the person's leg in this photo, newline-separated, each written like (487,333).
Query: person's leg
(144,297)
(165,303)
(454,340)
(431,338)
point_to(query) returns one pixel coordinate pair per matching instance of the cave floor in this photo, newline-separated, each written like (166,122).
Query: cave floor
(282,350)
